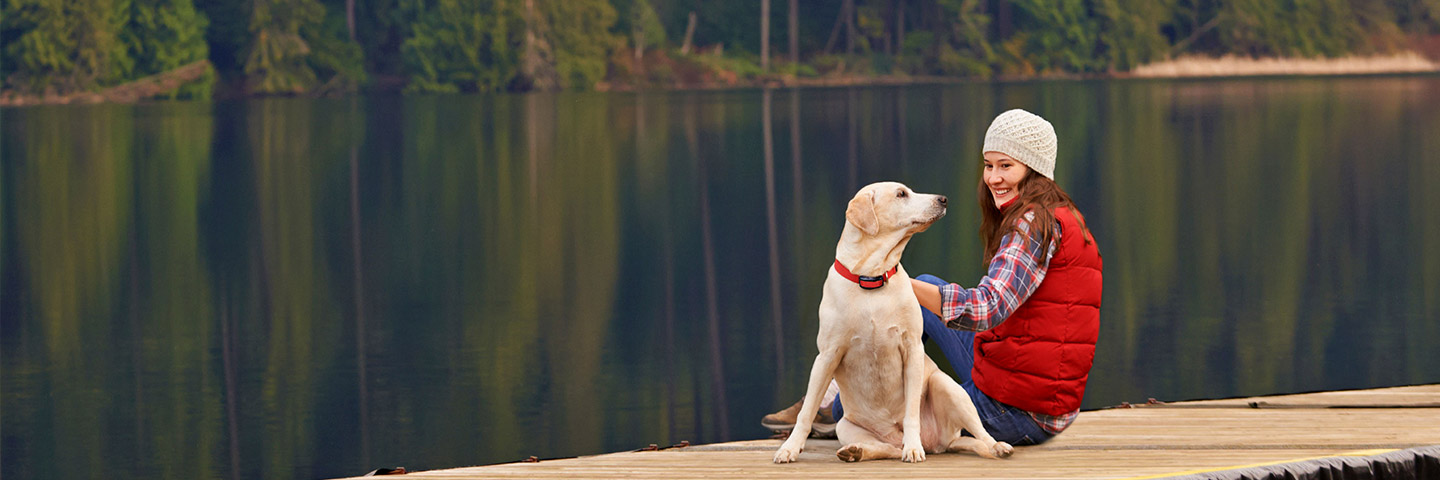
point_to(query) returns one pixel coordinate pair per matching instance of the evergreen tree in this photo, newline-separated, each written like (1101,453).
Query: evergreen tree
(228,34)
(1300,28)
(333,54)
(640,22)
(278,58)
(1058,36)
(579,34)
(1130,31)
(168,34)
(460,45)
(65,45)
(382,27)
(964,49)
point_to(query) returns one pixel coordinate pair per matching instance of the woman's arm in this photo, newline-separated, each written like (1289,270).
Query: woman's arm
(1015,273)
(928,295)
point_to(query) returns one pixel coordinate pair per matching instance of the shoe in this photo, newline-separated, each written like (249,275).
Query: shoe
(784,421)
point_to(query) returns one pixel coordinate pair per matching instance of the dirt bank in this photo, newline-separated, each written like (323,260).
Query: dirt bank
(1233,66)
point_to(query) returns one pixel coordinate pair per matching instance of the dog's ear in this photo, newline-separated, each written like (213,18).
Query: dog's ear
(861,213)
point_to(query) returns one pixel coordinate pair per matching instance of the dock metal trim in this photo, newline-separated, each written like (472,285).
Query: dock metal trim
(1419,462)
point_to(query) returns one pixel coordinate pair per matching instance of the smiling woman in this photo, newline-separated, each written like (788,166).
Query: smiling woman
(1041,286)
(1002,174)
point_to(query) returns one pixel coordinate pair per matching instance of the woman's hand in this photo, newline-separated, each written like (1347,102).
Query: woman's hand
(928,295)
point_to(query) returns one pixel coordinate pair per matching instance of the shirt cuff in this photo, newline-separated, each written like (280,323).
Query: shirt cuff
(950,304)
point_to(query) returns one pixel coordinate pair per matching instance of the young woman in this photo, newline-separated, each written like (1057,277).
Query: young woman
(1022,340)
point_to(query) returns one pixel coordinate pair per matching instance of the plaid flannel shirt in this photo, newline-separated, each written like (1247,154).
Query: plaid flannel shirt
(1015,273)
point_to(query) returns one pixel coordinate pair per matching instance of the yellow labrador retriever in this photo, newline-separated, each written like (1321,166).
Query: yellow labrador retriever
(898,404)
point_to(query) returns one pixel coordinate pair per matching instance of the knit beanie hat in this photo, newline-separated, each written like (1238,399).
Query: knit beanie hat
(1026,137)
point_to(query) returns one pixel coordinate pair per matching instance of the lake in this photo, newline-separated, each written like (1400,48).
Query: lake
(303,288)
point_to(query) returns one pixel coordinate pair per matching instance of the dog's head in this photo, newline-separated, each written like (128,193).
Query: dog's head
(887,207)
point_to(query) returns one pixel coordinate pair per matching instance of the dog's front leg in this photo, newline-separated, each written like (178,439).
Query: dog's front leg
(914,451)
(820,376)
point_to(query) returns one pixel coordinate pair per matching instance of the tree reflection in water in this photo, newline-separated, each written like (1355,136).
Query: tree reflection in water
(316,288)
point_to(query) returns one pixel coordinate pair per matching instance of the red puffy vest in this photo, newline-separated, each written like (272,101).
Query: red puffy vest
(1039,358)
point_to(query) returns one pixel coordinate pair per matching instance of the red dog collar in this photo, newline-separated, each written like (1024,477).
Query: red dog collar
(868,283)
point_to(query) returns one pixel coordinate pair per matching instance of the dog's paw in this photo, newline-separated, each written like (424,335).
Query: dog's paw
(1002,449)
(850,453)
(913,454)
(787,454)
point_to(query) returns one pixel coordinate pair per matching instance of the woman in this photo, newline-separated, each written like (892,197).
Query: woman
(1021,341)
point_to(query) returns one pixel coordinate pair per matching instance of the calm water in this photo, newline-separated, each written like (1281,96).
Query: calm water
(311,288)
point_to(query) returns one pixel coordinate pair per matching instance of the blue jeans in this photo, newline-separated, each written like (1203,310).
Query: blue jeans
(1006,423)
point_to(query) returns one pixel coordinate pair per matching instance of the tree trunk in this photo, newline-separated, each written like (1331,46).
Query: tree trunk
(764,35)
(536,64)
(689,35)
(885,40)
(527,64)
(795,32)
(835,31)
(639,35)
(350,18)
(1003,20)
(899,26)
(849,9)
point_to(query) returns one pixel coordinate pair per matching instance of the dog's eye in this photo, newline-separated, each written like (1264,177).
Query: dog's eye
(900,194)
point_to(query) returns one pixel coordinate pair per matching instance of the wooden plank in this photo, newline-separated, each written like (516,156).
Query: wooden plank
(1417,395)
(1143,442)
(1028,463)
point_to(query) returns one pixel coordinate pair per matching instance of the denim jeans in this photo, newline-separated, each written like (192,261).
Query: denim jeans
(1005,423)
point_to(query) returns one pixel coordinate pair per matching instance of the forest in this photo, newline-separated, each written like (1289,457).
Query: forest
(322,47)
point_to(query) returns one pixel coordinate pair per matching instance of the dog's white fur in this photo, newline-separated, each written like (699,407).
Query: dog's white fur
(898,403)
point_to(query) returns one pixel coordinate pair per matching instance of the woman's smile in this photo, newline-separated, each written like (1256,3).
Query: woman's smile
(1002,174)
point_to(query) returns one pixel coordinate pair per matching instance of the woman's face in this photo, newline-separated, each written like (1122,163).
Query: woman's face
(1002,175)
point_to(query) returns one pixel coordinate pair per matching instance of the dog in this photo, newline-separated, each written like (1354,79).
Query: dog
(898,403)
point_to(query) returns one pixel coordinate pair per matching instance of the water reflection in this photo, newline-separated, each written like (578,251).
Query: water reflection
(772,235)
(312,288)
(707,242)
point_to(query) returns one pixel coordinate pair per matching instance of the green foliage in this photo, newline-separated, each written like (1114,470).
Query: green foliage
(457,45)
(278,59)
(796,69)
(1416,16)
(745,68)
(579,31)
(1378,25)
(66,45)
(639,16)
(333,55)
(1303,28)
(167,34)
(295,46)
(228,34)
(1062,36)
(913,54)
(952,62)
(965,49)
(1130,31)
(825,64)
(871,27)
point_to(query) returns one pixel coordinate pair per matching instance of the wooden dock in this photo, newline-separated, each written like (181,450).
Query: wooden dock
(1144,441)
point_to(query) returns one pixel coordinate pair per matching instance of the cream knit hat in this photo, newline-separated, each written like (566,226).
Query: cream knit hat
(1025,136)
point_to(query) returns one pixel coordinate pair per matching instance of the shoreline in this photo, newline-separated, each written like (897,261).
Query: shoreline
(1407,62)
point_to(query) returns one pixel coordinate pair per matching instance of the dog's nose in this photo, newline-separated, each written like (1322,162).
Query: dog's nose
(943,200)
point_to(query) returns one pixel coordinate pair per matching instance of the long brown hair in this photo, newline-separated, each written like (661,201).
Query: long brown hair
(1038,194)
